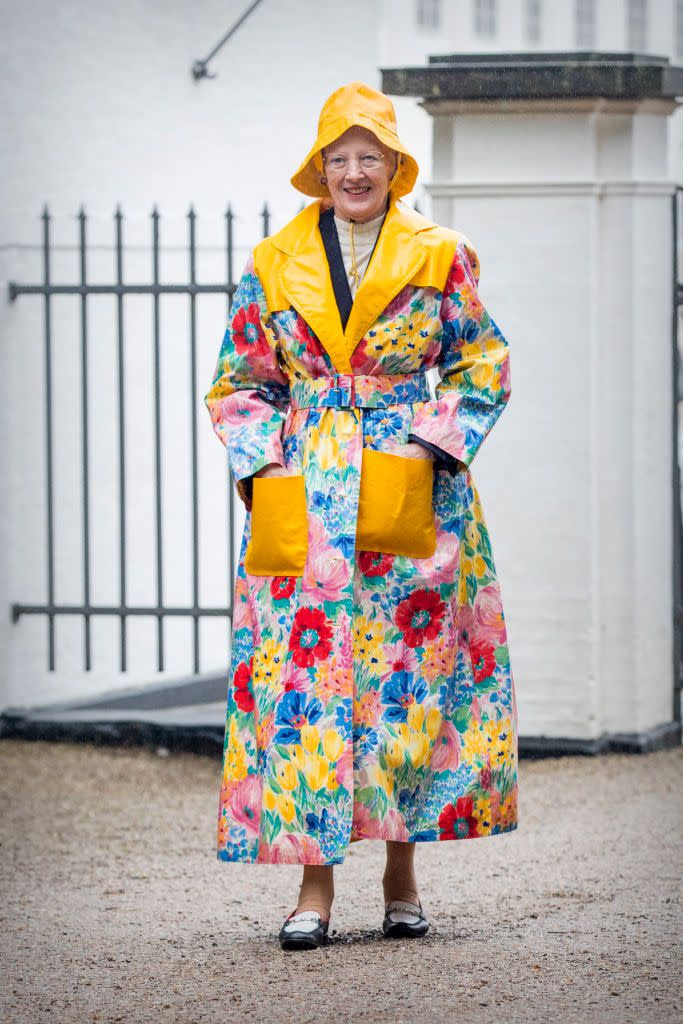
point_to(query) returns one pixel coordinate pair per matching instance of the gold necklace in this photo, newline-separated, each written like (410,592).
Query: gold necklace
(354,265)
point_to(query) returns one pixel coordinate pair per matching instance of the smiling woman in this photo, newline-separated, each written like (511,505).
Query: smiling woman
(370,693)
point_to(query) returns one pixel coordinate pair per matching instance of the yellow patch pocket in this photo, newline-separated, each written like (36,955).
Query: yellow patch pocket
(395,513)
(279,527)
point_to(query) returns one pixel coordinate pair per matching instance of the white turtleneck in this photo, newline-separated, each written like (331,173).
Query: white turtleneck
(364,237)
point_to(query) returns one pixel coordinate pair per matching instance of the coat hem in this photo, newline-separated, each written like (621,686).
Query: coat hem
(239,857)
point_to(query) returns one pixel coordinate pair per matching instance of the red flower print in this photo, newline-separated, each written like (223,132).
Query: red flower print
(419,617)
(247,333)
(456,276)
(458,822)
(282,587)
(305,336)
(244,698)
(483,659)
(311,637)
(375,563)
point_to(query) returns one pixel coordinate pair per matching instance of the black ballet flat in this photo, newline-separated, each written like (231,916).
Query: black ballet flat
(305,930)
(404,920)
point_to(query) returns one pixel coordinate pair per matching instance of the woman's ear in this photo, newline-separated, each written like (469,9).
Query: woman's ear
(397,164)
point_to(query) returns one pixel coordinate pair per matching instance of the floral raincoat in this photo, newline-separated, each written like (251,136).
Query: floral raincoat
(370,693)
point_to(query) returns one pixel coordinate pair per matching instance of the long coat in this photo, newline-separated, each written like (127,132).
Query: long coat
(370,693)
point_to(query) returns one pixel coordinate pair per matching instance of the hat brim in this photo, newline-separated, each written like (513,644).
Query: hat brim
(307,177)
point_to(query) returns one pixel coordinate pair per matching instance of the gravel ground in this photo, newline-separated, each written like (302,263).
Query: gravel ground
(115,908)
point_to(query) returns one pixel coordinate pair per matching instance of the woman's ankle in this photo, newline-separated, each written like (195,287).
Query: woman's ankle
(316,891)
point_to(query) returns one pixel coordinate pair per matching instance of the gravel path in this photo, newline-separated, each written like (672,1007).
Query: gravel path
(115,908)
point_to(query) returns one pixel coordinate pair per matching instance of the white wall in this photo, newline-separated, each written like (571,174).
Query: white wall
(571,218)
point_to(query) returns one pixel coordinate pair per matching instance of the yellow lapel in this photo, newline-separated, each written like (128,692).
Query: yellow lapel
(305,279)
(398,256)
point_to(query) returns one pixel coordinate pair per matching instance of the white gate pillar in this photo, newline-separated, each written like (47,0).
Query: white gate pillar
(555,166)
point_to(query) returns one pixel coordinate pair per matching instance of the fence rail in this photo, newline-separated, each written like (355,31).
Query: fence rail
(51,610)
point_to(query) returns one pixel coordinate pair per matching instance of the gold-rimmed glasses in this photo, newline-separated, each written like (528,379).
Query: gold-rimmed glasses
(368,161)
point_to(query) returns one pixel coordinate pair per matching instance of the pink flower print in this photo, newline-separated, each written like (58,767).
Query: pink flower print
(399,659)
(318,541)
(446,753)
(292,849)
(241,408)
(394,827)
(241,613)
(363,823)
(344,769)
(244,804)
(488,614)
(325,577)
(442,566)
(293,677)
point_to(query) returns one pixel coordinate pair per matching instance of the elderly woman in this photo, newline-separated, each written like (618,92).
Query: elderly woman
(370,692)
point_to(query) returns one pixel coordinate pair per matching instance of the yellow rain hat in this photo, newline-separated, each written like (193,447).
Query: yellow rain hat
(356,104)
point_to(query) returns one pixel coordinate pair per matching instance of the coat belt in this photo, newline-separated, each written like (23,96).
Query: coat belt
(366,391)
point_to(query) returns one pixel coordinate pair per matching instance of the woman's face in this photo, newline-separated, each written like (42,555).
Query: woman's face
(358,192)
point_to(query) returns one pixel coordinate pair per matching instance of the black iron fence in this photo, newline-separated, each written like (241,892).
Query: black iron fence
(51,610)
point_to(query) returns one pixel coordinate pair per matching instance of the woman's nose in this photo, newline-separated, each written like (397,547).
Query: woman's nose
(354,169)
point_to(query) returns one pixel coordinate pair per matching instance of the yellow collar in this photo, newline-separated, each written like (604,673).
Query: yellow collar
(305,277)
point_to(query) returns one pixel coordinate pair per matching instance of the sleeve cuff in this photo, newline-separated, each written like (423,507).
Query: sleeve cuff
(444,459)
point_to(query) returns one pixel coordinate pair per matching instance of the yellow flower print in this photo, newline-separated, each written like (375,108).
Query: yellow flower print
(368,638)
(267,663)
(235,755)
(475,744)
(269,801)
(310,738)
(485,374)
(416,714)
(482,812)
(332,782)
(480,567)
(419,749)
(472,534)
(500,738)
(297,757)
(384,780)
(327,452)
(285,806)
(333,744)
(462,583)
(287,775)
(434,718)
(316,771)
(395,755)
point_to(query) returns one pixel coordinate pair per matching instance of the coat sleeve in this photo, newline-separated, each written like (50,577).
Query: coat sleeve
(249,393)
(473,365)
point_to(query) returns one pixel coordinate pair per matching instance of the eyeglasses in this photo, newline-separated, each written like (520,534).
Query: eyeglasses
(368,161)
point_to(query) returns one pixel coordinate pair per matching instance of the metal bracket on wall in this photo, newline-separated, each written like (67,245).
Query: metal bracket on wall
(200,67)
